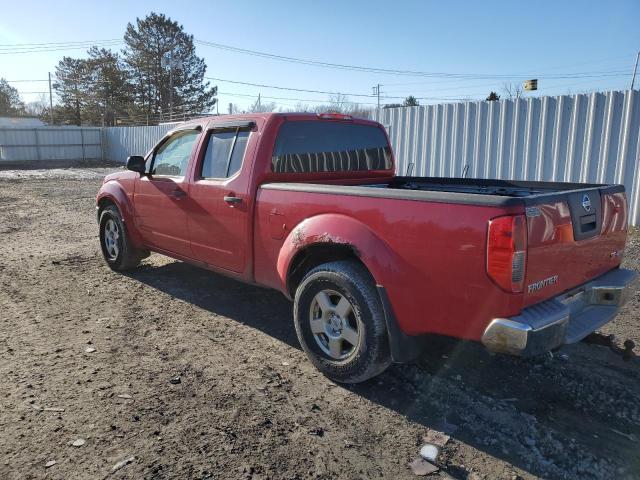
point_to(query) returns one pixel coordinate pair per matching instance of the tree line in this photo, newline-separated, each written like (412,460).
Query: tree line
(157,77)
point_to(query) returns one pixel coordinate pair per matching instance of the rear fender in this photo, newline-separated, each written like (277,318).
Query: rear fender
(335,229)
(370,249)
(114,193)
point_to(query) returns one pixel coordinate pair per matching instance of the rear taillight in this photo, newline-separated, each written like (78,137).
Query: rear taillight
(507,252)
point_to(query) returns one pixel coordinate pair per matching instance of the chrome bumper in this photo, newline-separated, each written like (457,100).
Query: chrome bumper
(567,318)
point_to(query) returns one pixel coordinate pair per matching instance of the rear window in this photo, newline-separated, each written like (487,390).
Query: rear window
(225,150)
(316,146)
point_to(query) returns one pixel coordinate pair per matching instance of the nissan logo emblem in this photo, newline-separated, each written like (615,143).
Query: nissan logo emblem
(586,203)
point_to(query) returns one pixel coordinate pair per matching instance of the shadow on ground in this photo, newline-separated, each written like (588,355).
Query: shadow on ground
(556,417)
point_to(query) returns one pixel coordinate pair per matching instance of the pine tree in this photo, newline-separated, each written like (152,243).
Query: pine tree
(109,95)
(411,101)
(493,97)
(71,88)
(165,73)
(10,103)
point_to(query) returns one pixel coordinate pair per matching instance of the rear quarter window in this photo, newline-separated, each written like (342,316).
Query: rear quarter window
(317,146)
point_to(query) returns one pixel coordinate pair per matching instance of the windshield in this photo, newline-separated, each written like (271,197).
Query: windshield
(316,146)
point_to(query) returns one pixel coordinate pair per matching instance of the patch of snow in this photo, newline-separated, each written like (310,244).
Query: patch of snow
(64,173)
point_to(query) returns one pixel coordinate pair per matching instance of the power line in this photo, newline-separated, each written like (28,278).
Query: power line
(25,81)
(74,42)
(277,87)
(394,71)
(292,89)
(14,50)
(310,100)
(8,49)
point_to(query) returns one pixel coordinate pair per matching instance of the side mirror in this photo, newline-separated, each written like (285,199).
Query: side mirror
(136,163)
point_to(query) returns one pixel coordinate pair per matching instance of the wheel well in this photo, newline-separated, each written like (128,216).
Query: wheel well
(314,255)
(103,203)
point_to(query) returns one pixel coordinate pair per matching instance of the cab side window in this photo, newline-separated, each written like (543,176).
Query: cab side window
(172,157)
(225,151)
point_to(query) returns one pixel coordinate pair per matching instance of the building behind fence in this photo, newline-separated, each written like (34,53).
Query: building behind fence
(572,138)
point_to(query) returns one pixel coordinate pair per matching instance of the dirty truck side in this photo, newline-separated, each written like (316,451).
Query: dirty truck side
(375,264)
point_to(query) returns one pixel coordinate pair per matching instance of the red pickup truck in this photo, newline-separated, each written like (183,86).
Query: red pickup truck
(375,263)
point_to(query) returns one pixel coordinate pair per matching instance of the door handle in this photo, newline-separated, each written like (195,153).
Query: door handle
(232,200)
(178,194)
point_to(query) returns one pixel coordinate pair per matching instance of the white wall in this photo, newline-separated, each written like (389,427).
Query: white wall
(572,138)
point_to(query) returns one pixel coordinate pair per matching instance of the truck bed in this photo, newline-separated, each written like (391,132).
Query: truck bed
(575,231)
(502,188)
(488,192)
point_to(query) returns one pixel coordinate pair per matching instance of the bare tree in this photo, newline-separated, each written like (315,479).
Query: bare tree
(233,109)
(299,107)
(38,107)
(339,103)
(261,107)
(512,91)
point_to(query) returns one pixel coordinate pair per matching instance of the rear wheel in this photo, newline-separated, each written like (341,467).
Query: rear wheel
(114,241)
(340,322)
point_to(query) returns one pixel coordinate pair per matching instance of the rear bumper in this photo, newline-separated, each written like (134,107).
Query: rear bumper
(567,318)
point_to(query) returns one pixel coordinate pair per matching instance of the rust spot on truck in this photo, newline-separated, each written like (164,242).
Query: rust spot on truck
(336,240)
(299,239)
(298,236)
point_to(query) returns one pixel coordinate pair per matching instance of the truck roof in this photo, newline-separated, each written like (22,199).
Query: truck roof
(264,116)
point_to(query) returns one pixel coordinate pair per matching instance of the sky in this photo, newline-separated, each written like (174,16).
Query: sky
(478,46)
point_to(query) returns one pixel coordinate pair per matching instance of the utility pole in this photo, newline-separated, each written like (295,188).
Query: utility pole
(230,108)
(106,106)
(635,69)
(170,88)
(51,101)
(170,62)
(376,91)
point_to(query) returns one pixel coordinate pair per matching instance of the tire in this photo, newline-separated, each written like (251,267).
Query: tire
(116,248)
(322,320)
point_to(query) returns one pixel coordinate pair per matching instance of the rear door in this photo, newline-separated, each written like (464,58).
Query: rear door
(160,197)
(219,203)
(573,237)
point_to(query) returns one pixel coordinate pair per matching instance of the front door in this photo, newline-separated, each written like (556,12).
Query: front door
(160,198)
(219,212)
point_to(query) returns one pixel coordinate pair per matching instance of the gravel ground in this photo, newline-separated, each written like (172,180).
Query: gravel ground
(175,372)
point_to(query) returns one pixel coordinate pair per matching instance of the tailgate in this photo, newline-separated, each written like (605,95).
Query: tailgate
(573,237)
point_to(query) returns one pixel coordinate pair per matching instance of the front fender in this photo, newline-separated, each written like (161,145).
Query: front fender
(113,192)
(338,229)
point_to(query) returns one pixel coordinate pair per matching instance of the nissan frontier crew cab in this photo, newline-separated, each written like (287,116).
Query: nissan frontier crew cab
(375,263)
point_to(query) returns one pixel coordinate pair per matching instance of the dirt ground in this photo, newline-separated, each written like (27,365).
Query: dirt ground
(197,376)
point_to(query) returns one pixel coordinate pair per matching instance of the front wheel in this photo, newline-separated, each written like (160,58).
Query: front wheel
(116,248)
(340,322)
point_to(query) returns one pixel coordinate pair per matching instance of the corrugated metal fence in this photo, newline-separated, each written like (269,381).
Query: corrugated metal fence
(576,138)
(120,142)
(51,144)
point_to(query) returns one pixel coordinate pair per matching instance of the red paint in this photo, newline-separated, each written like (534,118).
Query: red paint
(552,249)
(431,257)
